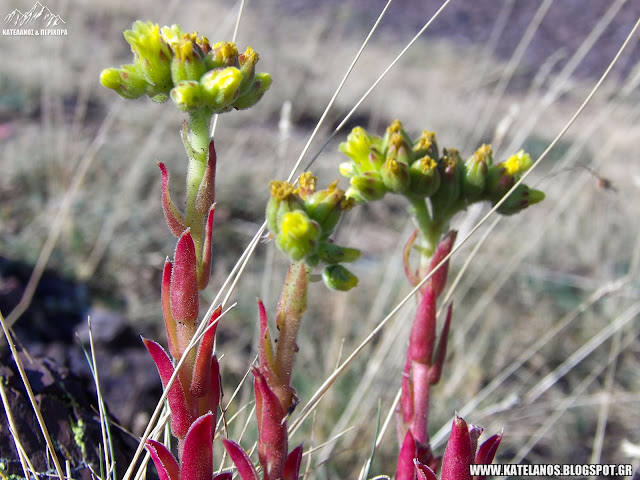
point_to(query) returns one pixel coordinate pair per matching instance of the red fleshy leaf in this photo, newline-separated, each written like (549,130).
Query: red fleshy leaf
(411,276)
(197,450)
(202,369)
(207,190)
(421,387)
(487,451)
(175,220)
(180,414)
(406,399)
(265,347)
(169,321)
(423,331)
(205,269)
(458,455)
(184,289)
(406,469)
(272,428)
(241,460)
(224,476)
(292,464)
(441,352)
(423,472)
(165,463)
(215,390)
(439,279)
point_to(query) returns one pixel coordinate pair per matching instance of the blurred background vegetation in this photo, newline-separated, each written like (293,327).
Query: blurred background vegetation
(560,279)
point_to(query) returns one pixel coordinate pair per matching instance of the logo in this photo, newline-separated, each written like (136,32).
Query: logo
(35,22)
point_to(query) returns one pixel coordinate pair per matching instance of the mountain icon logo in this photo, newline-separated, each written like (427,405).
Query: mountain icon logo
(38,12)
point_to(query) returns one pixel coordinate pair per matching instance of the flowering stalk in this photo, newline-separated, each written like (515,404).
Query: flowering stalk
(201,79)
(437,185)
(301,220)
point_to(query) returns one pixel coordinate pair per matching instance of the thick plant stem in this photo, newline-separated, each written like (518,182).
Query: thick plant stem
(291,307)
(197,137)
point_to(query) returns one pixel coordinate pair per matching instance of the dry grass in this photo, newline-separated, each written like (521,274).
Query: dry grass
(560,278)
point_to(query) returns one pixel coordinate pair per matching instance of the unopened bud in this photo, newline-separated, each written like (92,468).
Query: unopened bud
(188,61)
(220,87)
(369,185)
(187,95)
(126,81)
(248,62)
(152,54)
(326,207)
(521,198)
(337,277)
(395,175)
(426,145)
(261,83)
(425,177)
(298,235)
(331,253)
(475,171)
(449,190)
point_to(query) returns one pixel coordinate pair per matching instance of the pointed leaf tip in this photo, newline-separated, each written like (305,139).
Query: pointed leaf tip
(241,460)
(174,218)
(165,463)
(197,451)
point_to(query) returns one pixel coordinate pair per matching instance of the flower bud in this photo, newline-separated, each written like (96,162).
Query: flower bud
(337,277)
(220,87)
(188,61)
(425,177)
(282,201)
(426,145)
(395,175)
(357,145)
(152,54)
(395,128)
(331,253)
(369,185)
(449,190)
(248,62)
(298,235)
(261,83)
(326,207)
(521,198)
(399,149)
(187,95)
(517,164)
(475,171)
(126,81)
(222,54)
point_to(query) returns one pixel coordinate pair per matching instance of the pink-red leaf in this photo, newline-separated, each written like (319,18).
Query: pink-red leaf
(180,414)
(423,472)
(441,353)
(292,464)
(406,468)
(241,460)
(197,451)
(272,428)
(205,268)
(174,218)
(423,330)
(165,463)
(207,189)
(202,369)
(458,455)
(169,322)
(439,279)
(487,451)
